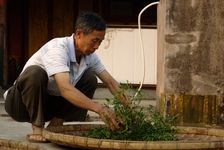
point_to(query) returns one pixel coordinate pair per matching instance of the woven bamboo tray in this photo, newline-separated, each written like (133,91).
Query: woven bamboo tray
(188,138)
(6,144)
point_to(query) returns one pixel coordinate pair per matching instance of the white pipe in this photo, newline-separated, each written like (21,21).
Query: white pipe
(141,44)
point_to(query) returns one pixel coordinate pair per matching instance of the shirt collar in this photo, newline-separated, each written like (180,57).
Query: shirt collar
(71,47)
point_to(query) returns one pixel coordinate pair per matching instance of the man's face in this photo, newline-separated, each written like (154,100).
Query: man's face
(88,43)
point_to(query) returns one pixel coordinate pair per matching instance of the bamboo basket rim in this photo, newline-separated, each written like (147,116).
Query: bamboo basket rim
(56,135)
(20,145)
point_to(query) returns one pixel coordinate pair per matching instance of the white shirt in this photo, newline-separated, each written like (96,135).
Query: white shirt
(58,55)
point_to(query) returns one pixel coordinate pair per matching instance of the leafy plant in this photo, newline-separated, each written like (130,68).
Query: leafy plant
(139,124)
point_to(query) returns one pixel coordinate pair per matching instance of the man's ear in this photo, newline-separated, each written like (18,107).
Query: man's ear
(78,32)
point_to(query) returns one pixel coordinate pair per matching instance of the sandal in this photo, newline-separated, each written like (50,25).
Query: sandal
(36,138)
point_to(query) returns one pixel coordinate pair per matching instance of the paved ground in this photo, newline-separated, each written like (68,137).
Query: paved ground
(16,131)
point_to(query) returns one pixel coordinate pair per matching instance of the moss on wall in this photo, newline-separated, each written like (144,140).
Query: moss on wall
(192,109)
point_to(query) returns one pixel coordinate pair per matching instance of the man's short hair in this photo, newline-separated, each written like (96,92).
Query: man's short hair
(89,21)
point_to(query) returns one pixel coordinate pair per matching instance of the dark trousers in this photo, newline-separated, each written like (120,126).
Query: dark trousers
(28,101)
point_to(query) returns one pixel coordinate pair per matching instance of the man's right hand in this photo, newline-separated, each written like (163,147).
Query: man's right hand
(110,118)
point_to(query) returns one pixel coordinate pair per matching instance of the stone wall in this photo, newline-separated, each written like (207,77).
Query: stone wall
(191,46)
(191,49)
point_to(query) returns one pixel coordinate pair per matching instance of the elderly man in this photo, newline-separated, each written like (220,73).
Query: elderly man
(58,82)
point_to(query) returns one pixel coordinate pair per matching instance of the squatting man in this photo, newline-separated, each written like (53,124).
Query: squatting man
(58,82)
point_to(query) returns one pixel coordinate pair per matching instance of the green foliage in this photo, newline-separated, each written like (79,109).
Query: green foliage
(139,124)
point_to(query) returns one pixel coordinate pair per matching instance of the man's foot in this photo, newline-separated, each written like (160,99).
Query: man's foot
(36,136)
(56,122)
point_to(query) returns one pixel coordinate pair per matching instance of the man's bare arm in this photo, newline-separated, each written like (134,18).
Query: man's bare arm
(77,98)
(73,95)
(113,86)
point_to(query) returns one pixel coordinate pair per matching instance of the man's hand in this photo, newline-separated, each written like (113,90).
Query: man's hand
(110,118)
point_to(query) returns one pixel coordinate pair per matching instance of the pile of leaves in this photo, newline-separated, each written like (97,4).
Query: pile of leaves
(139,124)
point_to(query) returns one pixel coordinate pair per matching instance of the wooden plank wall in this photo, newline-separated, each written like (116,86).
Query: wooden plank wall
(2,39)
(48,19)
(63,18)
(37,25)
(31,23)
(15,39)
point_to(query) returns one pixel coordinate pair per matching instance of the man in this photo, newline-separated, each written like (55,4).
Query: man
(58,81)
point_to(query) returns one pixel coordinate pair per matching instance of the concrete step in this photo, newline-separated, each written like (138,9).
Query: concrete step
(2,109)
(142,103)
(146,94)
(103,93)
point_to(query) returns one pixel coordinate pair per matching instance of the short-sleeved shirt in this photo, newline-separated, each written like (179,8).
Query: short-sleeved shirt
(58,55)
